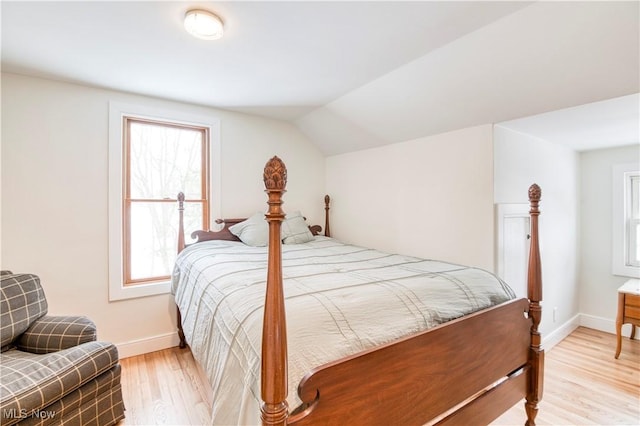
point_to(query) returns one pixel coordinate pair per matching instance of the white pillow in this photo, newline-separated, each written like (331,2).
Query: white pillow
(253,232)
(294,229)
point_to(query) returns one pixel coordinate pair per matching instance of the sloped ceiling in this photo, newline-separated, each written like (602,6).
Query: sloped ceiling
(350,75)
(545,57)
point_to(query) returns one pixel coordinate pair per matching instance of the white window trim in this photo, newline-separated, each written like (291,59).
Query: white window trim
(619,254)
(117,110)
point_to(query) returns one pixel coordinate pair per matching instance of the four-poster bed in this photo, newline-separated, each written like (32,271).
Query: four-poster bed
(467,370)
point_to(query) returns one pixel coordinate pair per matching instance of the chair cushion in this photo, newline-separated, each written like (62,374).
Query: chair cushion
(32,382)
(22,301)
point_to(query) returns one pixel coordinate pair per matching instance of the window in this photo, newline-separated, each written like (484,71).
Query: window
(626,220)
(633,220)
(161,159)
(153,155)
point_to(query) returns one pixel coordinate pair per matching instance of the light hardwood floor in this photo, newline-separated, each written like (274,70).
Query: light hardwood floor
(584,385)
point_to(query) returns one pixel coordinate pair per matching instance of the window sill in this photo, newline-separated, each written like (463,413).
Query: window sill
(119,292)
(626,271)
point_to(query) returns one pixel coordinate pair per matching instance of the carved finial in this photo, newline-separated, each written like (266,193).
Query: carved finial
(534,193)
(275,174)
(327,229)
(180,201)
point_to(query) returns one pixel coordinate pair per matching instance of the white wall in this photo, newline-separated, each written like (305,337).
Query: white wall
(598,296)
(519,161)
(55,187)
(421,197)
(430,197)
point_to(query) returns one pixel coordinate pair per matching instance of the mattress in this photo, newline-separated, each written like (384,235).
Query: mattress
(340,299)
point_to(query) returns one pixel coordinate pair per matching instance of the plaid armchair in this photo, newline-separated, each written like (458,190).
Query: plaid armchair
(52,371)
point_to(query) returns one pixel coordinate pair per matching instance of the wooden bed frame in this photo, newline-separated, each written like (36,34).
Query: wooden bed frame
(466,371)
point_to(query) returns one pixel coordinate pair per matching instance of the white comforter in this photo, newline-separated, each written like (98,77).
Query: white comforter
(340,299)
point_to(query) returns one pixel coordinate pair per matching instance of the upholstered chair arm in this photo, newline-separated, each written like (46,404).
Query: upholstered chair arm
(54,333)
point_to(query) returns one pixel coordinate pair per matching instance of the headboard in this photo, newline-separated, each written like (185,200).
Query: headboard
(225,234)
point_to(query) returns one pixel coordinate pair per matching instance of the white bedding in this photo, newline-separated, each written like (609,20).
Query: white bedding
(340,299)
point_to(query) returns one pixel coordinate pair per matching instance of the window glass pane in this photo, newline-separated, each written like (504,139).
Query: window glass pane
(635,196)
(633,237)
(626,216)
(165,160)
(635,244)
(154,236)
(633,253)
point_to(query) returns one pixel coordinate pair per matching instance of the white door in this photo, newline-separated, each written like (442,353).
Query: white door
(513,245)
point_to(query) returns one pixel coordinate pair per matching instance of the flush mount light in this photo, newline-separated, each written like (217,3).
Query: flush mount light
(203,24)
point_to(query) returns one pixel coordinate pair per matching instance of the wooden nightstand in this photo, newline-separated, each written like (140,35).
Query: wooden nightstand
(628,310)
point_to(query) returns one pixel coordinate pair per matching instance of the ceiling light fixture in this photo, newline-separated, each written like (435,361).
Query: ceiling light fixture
(203,24)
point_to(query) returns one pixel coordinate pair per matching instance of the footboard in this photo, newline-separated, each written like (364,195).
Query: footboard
(417,379)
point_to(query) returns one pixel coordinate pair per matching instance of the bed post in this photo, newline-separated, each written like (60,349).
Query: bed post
(327,230)
(534,293)
(183,341)
(274,409)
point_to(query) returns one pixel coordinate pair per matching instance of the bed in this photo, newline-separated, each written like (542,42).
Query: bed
(361,339)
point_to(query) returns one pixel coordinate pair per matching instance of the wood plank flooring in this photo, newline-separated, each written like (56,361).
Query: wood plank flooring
(163,388)
(584,385)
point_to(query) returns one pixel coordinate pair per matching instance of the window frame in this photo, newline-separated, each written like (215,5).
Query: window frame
(118,288)
(622,220)
(128,200)
(632,222)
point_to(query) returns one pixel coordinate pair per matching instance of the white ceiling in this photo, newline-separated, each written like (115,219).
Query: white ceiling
(614,122)
(350,75)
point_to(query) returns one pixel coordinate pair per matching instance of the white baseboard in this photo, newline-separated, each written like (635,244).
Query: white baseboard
(147,345)
(560,333)
(584,320)
(605,324)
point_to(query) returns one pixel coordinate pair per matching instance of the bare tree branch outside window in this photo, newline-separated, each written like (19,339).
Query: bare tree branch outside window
(162,160)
